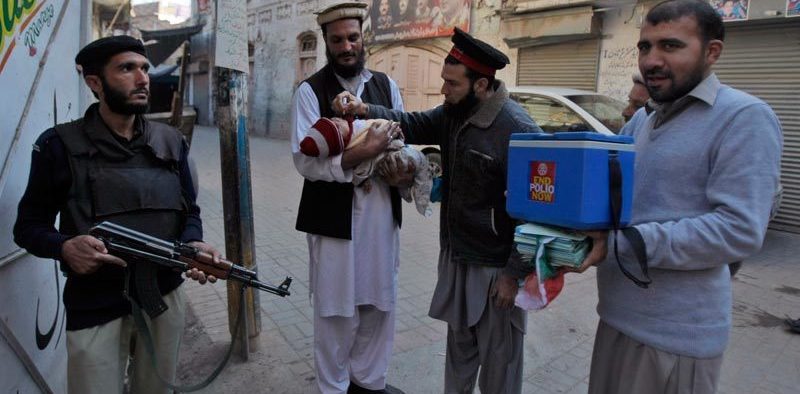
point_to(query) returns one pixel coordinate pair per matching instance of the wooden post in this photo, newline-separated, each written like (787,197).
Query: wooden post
(176,118)
(231,101)
(230,93)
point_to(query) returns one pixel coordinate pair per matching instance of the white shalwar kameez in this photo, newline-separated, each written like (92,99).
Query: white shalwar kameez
(353,283)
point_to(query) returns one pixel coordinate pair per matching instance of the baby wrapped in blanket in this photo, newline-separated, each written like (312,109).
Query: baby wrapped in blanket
(333,136)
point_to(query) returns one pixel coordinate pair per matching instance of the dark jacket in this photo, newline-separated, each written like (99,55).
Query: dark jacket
(473,221)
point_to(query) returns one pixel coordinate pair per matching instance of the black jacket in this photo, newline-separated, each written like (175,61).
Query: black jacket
(473,221)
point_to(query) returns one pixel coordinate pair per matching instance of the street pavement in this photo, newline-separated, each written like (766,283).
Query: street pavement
(762,357)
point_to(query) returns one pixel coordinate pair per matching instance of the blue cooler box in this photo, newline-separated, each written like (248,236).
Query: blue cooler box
(562,179)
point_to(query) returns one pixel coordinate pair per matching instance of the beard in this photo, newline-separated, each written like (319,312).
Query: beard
(463,108)
(350,71)
(675,90)
(117,100)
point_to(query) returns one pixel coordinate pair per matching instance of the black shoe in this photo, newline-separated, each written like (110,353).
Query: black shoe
(393,390)
(356,389)
(794,325)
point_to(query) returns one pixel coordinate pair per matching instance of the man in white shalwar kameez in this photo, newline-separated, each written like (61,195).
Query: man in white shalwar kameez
(353,232)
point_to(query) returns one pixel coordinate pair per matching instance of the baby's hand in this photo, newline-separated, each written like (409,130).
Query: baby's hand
(395,173)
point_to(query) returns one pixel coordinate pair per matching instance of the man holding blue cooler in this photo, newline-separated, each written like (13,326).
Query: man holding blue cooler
(478,268)
(706,169)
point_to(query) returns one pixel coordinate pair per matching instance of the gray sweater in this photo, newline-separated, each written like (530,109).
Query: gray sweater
(704,185)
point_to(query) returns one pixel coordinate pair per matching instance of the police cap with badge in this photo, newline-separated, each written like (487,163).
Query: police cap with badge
(94,56)
(477,55)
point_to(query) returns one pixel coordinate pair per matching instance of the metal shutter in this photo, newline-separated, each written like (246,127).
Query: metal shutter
(572,65)
(763,61)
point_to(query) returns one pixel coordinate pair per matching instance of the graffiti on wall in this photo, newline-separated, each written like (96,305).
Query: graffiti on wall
(23,22)
(617,66)
(393,20)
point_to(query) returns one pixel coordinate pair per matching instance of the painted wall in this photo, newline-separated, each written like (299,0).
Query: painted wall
(34,97)
(618,54)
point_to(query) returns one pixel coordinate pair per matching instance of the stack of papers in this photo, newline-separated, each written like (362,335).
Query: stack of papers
(559,248)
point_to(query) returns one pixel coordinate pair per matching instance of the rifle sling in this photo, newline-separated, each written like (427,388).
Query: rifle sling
(147,339)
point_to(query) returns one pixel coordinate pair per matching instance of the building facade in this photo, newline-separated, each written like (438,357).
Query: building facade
(592,45)
(287,47)
(585,44)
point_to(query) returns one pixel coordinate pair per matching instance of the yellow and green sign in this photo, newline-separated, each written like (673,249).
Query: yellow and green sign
(14,16)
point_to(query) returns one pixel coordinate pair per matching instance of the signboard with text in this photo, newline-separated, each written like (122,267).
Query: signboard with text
(231,46)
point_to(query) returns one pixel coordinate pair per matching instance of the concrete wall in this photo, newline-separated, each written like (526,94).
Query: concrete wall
(618,53)
(485,25)
(274,29)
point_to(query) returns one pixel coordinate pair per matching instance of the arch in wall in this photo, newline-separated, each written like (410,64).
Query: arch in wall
(416,69)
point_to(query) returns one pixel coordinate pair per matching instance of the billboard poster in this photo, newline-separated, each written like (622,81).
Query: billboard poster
(731,10)
(400,20)
(792,7)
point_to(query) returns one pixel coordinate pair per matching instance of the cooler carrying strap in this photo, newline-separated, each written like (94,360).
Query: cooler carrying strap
(631,233)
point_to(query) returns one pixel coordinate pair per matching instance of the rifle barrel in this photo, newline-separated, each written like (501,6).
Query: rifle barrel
(269,288)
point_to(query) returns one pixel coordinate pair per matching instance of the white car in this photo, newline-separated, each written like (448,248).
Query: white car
(563,109)
(557,109)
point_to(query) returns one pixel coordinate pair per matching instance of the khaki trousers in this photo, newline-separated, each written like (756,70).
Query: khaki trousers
(98,356)
(494,346)
(624,366)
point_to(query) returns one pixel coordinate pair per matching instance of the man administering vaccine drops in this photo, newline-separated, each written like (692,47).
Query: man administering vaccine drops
(478,268)
(707,167)
(115,165)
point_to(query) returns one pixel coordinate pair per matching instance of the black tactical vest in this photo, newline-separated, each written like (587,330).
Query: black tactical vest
(136,186)
(326,208)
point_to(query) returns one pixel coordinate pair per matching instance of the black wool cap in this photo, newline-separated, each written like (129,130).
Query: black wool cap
(95,55)
(476,54)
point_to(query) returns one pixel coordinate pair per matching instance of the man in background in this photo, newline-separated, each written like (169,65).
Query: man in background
(637,97)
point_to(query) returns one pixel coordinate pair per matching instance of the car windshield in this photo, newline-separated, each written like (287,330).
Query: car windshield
(605,109)
(551,115)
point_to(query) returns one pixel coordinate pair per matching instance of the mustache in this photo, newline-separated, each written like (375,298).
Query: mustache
(346,54)
(657,73)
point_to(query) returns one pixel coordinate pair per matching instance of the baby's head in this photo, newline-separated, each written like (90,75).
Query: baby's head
(344,127)
(327,137)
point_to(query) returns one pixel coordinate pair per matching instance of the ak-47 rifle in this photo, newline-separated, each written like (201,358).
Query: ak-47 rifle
(145,253)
